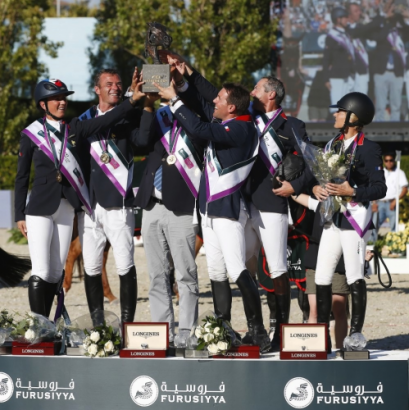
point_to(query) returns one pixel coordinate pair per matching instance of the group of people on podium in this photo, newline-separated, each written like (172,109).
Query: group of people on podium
(212,165)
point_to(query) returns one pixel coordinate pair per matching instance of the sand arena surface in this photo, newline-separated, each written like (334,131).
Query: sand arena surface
(386,326)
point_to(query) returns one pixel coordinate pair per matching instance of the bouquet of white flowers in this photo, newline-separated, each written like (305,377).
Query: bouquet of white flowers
(98,334)
(213,334)
(327,166)
(33,328)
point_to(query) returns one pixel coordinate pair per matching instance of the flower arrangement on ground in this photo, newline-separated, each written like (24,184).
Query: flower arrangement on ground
(214,334)
(393,244)
(6,325)
(101,341)
(33,328)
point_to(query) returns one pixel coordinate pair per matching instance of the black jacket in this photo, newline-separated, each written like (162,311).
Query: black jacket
(366,173)
(259,184)
(232,146)
(176,195)
(337,61)
(359,32)
(380,29)
(46,194)
(125,132)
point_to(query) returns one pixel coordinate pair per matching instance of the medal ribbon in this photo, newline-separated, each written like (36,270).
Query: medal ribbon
(174,137)
(57,162)
(103,140)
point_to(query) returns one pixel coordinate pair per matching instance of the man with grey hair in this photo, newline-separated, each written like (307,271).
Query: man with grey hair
(268,225)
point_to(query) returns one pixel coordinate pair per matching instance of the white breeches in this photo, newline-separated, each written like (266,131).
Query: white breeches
(49,239)
(270,230)
(225,246)
(109,224)
(334,243)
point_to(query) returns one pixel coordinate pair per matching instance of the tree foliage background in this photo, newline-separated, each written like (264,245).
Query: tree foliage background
(223,39)
(21,23)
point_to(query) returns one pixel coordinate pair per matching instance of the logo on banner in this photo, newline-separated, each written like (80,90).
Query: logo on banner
(299,393)
(144,391)
(6,387)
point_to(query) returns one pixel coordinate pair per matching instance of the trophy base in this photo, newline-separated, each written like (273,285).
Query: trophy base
(5,348)
(176,351)
(355,354)
(38,349)
(142,354)
(155,73)
(75,351)
(196,354)
(241,352)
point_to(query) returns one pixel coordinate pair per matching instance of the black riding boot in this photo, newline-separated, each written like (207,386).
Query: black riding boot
(252,308)
(129,295)
(37,294)
(272,306)
(358,299)
(324,306)
(304,305)
(283,303)
(222,299)
(95,296)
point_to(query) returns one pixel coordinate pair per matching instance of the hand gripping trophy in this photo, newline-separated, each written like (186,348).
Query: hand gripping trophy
(159,73)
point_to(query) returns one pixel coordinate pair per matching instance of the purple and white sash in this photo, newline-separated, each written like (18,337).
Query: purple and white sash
(177,143)
(118,170)
(359,215)
(361,51)
(271,148)
(69,163)
(343,40)
(223,182)
(396,42)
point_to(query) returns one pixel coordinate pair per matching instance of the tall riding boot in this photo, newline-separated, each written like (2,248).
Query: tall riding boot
(324,305)
(358,299)
(37,291)
(95,296)
(50,295)
(252,308)
(272,306)
(129,295)
(222,299)
(304,305)
(283,302)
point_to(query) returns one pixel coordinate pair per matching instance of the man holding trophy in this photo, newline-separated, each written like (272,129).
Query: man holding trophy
(232,146)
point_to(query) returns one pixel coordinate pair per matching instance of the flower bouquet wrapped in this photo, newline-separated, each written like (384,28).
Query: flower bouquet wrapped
(6,325)
(33,328)
(98,334)
(327,166)
(213,334)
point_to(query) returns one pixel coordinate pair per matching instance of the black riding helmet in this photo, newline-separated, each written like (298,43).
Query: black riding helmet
(337,13)
(49,88)
(359,104)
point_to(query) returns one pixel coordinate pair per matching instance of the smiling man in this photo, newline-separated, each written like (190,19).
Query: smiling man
(109,171)
(268,225)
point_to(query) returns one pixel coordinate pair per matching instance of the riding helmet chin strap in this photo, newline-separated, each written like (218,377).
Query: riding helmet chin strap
(348,124)
(48,112)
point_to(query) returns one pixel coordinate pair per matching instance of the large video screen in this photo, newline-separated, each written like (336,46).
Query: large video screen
(327,48)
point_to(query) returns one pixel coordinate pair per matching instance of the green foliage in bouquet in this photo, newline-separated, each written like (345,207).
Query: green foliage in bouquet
(213,335)
(24,328)
(17,237)
(101,341)
(6,320)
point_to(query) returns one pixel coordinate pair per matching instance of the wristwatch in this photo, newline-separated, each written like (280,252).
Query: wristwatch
(354,193)
(173,100)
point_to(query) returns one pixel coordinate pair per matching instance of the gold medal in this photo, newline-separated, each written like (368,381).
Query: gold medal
(59,176)
(171,159)
(105,158)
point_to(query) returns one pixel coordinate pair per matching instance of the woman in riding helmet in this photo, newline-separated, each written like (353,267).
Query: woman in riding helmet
(59,185)
(348,231)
